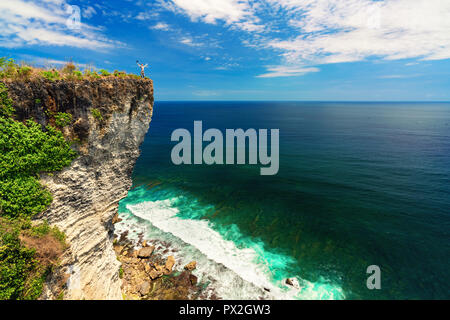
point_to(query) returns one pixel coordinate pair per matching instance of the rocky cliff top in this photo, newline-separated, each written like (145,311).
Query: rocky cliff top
(43,99)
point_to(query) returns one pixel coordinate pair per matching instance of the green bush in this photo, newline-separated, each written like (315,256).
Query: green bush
(25,151)
(22,276)
(63,119)
(91,74)
(22,196)
(104,72)
(24,72)
(8,68)
(97,114)
(51,75)
(6,108)
(16,261)
(78,74)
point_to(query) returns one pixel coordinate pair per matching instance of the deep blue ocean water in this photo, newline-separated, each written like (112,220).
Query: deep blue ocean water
(359,184)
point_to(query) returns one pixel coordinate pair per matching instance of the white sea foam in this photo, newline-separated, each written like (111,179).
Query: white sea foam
(233,272)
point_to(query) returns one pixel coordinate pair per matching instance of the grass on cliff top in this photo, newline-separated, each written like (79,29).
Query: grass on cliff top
(11,70)
(27,252)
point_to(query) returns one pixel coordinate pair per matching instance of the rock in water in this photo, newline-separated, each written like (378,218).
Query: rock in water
(191,265)
(169,264)
(145,252)
(116,219)
(293,282)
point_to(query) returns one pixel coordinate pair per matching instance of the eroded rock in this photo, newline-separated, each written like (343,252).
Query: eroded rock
(145,252)
(169,264)
(191,265)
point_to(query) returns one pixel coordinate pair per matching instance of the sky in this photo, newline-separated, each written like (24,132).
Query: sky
(322,50)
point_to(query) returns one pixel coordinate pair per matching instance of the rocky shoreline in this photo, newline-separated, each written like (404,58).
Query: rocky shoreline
(147,275)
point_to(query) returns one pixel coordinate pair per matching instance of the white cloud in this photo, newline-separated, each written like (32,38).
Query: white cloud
(161,26)
(238,13)
(189,42)
(400,76)
(332,31)
(287,71)
(39,61)
(88,12)
(353,30)
(44,22)
(144,15)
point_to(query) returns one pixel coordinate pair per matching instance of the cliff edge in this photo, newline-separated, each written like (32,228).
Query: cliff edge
(110,118)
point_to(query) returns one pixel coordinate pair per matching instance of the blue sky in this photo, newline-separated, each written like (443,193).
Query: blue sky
(245,49)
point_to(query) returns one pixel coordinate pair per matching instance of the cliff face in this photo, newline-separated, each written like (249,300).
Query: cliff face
(86,194)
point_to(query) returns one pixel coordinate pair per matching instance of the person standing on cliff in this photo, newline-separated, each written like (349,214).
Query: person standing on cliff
(142,66)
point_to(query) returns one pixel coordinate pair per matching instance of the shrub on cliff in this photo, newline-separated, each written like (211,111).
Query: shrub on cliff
(27,254)
(26,151)
(63,119)
(104,72)
(51,75)
(6,108)
(9,69)
(97,114)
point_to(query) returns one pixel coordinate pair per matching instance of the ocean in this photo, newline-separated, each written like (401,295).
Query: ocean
(359,184)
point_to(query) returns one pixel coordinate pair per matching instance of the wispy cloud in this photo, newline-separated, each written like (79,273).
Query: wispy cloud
(88,12)
(161,26)
(190,42)
(327,31)
(45,22)
(344,31)
(400,76)
(205,93)
(287,71)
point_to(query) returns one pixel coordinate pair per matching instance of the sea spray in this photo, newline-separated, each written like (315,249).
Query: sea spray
(240,268)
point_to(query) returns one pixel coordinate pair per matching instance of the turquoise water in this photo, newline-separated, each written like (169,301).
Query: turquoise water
(359,184)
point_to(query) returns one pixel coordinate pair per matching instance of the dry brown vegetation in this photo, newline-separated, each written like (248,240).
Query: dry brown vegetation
(47,248)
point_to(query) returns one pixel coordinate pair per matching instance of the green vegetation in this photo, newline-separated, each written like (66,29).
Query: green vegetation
(51,75)
(22,268)
(6,108)
(63,119)
(27,252)
(24,72)
(97,114)
(77,74)
(120,272)
(104,72)
(9,69)
(91,74)
(69,68)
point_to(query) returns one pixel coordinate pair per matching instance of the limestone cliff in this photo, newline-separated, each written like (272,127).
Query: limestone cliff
(110,119)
